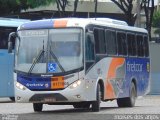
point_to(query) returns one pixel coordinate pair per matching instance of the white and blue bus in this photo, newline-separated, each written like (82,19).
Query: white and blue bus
(7,25)
(80,62)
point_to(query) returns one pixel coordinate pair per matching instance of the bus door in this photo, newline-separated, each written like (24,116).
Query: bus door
(6,64)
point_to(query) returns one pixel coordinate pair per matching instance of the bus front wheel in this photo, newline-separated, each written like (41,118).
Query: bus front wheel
(96,104)
(129,101)
(85,105)
(37,107)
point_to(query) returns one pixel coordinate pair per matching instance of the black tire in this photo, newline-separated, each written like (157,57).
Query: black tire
(85,105)
(129,101)
(12,99)
(37,107)
(96,104)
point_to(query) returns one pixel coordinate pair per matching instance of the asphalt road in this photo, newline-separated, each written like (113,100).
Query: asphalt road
(147,107)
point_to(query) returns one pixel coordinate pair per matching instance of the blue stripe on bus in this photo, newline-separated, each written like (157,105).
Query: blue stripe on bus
(35,83)
(38,24)
(137,68)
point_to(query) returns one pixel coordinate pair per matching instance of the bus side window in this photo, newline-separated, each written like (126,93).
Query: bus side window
(111,47)
(146,46)
(4,33)
(140,45)
(3,40)
(100,45)
(131,44)
(122,44)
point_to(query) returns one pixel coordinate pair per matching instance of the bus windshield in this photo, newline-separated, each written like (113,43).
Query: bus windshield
(49,50)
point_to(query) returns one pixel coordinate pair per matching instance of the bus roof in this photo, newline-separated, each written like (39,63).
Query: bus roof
(79,22)
(11,22)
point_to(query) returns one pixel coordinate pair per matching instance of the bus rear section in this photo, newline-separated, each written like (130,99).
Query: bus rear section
(7,25)
(80,62)
(6,64)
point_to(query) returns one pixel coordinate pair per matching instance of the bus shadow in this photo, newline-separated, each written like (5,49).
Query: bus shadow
(73,110)
(68,114)
(81,111)
(68,110)
(6,101)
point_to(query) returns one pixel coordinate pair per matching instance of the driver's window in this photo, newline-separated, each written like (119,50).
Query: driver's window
(90,47)
(89,51)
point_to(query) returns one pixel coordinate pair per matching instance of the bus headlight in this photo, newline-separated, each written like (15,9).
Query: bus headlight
(20,86)
(75,84)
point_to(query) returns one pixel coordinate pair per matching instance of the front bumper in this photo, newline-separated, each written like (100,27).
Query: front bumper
(77,94)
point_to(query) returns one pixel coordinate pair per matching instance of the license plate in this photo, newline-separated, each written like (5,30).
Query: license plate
(57,82)
(49,99)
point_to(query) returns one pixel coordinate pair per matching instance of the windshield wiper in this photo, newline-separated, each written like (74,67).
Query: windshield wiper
(41,52)
(57,61)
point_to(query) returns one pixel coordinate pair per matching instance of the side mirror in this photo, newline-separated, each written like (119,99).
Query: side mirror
(10,44)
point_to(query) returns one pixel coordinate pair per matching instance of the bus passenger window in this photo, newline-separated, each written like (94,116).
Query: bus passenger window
(146,46)
(122,44)
(140,45)
(111,47)
(99,41)
(131,44)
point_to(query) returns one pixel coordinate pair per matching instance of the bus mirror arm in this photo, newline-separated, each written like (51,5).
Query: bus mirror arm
(10,44)
(10,47)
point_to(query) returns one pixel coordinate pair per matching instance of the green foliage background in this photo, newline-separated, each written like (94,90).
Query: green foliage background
(25,4)
(15,6)
(156,22)
(156,19)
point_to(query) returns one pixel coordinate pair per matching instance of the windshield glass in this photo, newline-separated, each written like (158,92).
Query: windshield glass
(49,51)
(66,46)
(32,42)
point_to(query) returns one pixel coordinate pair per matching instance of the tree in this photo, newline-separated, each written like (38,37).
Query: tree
(61,5)
(126,6)
(25,4)
(156,19)
(15,6)
(75,7)
(95,8)
(148,6)
(8,7)
(156,22)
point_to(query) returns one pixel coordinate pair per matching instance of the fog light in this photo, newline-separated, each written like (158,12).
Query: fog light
(18,98)
(78,96)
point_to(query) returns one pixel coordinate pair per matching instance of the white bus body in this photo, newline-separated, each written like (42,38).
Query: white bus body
(112,62)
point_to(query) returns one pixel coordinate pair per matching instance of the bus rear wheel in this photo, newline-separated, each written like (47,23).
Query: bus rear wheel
(129,101)
(96,104)
(37,107)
